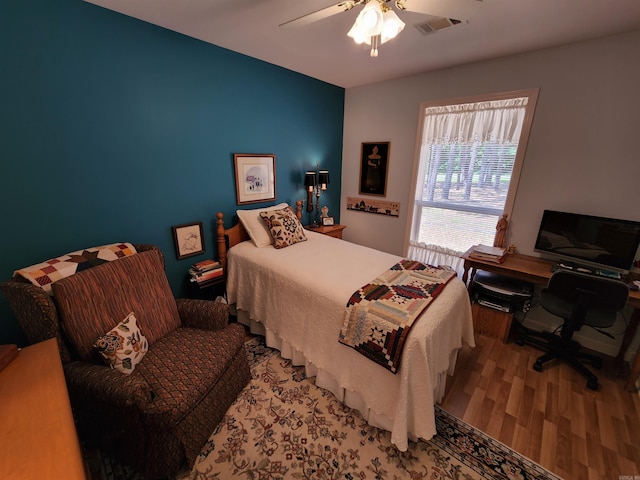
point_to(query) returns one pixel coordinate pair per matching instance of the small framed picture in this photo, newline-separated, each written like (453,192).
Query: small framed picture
(255,177)
(327,221)
(188,239)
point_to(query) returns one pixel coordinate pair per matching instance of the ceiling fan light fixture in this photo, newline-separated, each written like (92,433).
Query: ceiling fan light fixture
(375,25)
(369,23)
(357,33)
(371,18)
(392,26)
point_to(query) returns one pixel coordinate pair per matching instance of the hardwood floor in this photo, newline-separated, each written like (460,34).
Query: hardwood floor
(549,416)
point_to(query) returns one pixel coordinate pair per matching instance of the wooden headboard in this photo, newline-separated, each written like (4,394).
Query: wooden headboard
(228,237)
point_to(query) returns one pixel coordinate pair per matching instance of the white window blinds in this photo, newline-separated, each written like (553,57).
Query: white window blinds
(466,161)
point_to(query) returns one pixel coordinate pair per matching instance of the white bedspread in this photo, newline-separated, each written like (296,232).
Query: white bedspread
(299,295)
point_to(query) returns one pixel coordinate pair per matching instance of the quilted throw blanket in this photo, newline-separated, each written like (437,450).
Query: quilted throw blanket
(46,273)
(380,314)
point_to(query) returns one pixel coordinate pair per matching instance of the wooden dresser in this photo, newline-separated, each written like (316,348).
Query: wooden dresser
(38,437)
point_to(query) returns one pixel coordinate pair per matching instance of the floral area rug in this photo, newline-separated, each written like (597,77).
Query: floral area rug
(284,427)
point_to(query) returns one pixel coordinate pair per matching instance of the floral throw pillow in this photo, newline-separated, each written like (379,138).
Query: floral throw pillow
(123,347)
(284,226)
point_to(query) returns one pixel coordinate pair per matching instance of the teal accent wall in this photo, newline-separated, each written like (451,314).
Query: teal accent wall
(112,129)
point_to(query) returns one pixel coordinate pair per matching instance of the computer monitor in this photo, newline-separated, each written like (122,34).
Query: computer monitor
(599,242)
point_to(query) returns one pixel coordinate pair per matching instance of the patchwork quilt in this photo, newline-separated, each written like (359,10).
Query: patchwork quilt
(379,315)
(45,273)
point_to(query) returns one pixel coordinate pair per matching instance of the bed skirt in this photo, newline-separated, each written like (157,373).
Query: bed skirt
(325,380)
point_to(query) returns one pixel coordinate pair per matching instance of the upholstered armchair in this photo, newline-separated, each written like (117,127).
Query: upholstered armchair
(158,415)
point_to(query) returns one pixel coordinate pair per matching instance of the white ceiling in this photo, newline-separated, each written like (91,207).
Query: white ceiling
(322,49)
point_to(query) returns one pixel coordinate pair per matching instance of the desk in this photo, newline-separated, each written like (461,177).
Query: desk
(538,271)
(37,432)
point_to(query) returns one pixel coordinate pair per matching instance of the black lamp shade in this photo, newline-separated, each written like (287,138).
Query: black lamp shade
(323,178)
(310,179)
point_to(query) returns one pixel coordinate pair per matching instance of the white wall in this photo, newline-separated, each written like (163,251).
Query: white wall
(583,153)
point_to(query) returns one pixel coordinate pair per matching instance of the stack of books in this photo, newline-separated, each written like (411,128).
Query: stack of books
(487,253)
(205,271)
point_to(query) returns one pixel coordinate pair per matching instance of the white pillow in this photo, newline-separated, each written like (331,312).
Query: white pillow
(254,225)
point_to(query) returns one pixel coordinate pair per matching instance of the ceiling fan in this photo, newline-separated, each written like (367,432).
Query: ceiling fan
(377,22)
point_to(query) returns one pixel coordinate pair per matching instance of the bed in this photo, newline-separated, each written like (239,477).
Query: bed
(296,298)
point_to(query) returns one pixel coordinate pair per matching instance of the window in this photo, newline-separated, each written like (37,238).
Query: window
(466,172)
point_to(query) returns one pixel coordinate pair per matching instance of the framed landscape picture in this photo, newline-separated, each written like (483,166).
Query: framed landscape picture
(374,165)
(255,177)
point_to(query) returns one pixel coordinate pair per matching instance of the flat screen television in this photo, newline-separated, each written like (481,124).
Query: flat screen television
(600,242)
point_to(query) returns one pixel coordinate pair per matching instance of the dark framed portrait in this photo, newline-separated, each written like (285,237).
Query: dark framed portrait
(374,167)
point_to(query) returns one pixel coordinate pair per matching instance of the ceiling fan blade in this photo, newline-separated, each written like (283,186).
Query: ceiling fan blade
(322,13)
(458,9)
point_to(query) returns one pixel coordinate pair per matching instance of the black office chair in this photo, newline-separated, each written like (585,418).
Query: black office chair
(580,299)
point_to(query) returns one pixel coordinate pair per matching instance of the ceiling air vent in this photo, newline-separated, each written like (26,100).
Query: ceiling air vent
(436,24)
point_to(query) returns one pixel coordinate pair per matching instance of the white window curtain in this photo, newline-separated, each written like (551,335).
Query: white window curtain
(466,159)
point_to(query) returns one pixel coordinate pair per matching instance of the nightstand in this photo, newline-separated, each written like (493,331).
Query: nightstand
(330,230)
(209,290)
